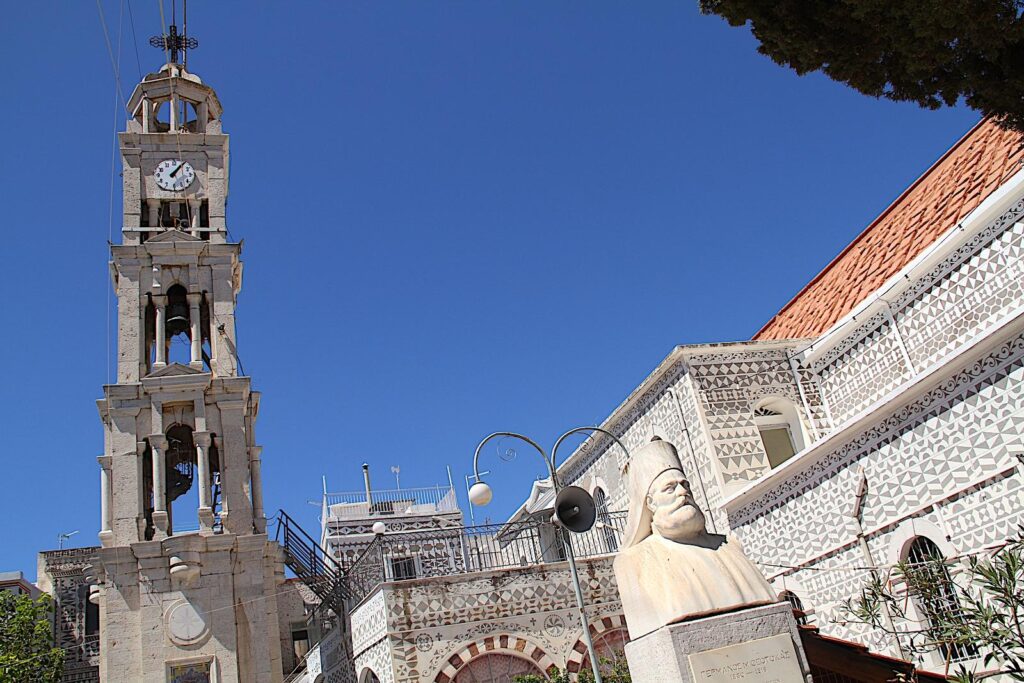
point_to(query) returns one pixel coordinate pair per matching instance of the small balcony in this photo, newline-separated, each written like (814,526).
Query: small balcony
(464,550)
(354,505)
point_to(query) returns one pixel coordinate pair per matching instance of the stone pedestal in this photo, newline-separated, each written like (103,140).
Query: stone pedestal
(753,645)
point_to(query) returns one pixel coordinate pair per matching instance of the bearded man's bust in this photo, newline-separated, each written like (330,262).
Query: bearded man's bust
(671,568)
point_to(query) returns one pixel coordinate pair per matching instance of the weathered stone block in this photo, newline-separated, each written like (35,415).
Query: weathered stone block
(744,643)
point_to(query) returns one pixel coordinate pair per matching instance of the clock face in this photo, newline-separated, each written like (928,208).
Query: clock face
(174,174)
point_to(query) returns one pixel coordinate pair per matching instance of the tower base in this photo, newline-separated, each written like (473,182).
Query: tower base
(759,644)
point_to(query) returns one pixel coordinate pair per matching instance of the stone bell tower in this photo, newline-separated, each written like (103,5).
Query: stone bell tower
(186,578)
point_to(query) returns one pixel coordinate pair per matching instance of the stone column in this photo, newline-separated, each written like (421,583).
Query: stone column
(160,302)
(202,441)
(196,360)
(153,207)
(158,446)
(106,501)
(174,113)
(202,113)
(147,116)
(194,212)
(258,519)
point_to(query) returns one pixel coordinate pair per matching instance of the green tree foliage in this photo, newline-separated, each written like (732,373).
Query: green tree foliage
(932,52)
(983,617)
(27,654)
(611,672)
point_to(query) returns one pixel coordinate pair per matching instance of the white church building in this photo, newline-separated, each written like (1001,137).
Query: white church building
(878,417)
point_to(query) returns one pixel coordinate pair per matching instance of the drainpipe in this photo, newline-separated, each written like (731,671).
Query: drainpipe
(865,549)
(366,483)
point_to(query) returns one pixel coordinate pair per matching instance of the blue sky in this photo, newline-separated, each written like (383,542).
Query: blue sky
(459,217)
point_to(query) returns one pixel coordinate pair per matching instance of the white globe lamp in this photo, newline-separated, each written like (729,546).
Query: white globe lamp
(378,528)
(480,494)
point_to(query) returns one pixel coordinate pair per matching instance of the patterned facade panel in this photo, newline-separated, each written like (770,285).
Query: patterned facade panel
(869,370)
(816,417)
(346,540)
(494,595)
(66,572)
(729,386)
(979,292)
(369,623)
(971,289)
(946,457)
(698,456)
(377,659)
(671,412)
(436,626)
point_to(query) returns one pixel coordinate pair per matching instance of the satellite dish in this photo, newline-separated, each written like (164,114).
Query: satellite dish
(575,509)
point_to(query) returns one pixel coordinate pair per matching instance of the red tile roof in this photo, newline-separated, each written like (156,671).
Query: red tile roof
(954,186)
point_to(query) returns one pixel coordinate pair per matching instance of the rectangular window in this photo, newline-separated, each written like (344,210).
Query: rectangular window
(778,444)
(403,568)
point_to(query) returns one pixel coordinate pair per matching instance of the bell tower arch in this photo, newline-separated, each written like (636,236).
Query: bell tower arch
(186,575)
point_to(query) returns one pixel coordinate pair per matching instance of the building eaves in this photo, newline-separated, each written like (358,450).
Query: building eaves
(957,183)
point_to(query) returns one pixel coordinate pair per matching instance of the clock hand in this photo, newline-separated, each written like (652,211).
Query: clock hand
(175,171)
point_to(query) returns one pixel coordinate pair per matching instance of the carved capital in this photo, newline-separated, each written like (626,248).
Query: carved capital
(194,298)
(105,461)
(158,441)
(202,439)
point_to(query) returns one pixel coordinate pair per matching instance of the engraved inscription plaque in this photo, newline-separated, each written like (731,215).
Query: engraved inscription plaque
(768,660)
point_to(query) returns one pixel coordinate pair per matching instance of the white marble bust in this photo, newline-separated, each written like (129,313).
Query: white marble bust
(670,568)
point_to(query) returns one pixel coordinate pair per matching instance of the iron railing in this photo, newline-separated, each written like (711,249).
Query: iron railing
(389,503)
(312,564)
(460,550)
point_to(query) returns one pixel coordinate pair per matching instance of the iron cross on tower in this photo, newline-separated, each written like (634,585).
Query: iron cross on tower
(173,42)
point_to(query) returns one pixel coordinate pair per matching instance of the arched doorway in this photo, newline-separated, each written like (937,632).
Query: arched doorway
(368,676)
(610,647)
(496,667)
(935,595)
(797,604)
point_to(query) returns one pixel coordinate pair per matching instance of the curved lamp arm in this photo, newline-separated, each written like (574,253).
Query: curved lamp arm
(543,455)
(577,430)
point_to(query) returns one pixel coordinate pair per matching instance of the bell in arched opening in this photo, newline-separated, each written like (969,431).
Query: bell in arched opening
(177,311)
(180,462)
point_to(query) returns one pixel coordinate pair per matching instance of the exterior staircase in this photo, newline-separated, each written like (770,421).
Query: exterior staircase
(313,565)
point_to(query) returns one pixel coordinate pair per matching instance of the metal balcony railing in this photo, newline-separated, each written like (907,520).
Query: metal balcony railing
(390,503)
(461,550)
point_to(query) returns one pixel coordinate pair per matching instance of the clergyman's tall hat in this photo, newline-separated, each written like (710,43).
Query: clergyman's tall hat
(643,468)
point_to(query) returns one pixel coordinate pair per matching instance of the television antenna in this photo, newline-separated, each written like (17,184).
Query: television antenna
(64,537)
(395,469)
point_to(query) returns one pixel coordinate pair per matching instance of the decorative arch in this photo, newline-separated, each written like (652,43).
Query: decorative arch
(507,644)
(794,592)
(368,675)
(779,425)
(942,600)
(909,529)
(598,628)
(595,482)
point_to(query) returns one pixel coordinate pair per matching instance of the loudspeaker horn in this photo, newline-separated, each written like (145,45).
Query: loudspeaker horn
(574,509)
